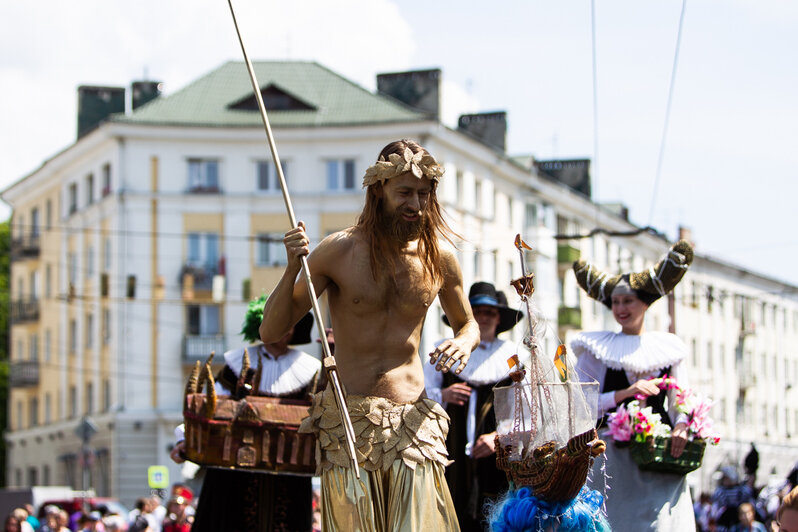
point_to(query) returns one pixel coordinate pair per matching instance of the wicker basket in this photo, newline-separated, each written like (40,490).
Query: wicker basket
(654,454)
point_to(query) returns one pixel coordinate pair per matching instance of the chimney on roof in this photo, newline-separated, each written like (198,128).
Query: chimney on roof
(419,89)
(619,209)
(144,91)
(489,128)
(685,233)
(95,104)
(574,173)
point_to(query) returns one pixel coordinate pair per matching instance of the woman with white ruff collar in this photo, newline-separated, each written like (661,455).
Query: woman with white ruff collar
(473,478)
(626,365)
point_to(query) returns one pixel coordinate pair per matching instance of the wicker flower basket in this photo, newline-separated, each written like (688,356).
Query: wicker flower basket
(654,454)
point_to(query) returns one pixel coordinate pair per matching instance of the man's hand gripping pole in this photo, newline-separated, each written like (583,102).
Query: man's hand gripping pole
(329,360)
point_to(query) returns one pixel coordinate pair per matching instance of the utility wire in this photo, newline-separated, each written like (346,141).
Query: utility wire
(594,191)
(667,115)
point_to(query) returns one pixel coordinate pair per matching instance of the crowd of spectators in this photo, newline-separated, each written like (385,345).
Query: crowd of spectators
(149,515)
(740,505)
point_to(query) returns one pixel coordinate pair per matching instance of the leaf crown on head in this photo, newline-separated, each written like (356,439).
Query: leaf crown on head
(420,164)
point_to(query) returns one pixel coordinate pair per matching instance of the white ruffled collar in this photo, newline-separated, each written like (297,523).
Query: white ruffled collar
(488,363)
(283,375)
(650,351)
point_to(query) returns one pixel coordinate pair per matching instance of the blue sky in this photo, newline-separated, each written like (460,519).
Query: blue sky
(729,166)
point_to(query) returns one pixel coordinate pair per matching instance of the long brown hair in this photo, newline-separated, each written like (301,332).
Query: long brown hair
(383,249)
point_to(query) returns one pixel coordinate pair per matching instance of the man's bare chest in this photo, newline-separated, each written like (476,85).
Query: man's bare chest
(405,289)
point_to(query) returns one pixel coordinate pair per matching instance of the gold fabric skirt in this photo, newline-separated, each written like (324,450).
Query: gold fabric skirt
(401,452)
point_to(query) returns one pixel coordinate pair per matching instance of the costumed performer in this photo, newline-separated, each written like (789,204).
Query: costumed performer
(626,364)
(381,276)
(243,501)
(468,399)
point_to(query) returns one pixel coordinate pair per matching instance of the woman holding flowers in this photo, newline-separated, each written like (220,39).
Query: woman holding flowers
(638,372)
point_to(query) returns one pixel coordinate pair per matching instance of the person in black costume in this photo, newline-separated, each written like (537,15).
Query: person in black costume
(240,501)
(473,478)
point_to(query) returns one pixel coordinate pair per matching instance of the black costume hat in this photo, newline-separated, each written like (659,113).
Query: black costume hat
(254,316)
(648,285)
(485,294)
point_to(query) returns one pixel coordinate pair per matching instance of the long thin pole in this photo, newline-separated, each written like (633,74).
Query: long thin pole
(329,359)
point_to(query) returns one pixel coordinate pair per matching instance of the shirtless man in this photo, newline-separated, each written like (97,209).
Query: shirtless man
(381,276)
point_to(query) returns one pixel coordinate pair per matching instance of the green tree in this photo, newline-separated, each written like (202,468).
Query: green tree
(5,272)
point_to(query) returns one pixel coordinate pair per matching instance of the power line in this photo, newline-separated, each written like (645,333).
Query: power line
(667,114)
(595,105)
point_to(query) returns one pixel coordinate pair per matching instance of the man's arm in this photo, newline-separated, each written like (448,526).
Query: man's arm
(290,299)
(458,311)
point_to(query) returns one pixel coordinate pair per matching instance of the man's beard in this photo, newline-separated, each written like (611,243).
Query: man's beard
(393,226)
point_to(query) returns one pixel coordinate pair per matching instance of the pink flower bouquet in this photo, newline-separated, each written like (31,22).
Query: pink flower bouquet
(642,423)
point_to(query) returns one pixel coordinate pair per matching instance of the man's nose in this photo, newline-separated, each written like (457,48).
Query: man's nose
(413,202)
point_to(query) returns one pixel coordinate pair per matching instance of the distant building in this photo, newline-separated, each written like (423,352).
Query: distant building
(136,249)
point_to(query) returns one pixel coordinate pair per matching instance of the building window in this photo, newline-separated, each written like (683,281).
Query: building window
(34,412)
(34,285)
(34,223)
(48,406)
(73,336)
(530,215)
(710,364)
(45,475)
(106,395)
(48,214)
(89,398)
(106,179)
(203,250)
(89,189)
(271,252)
(72,264)
(90,261)
(48,281)
(48,345)
(73,402)
(459,187)
(107,254)
(106,326)
(33,476)
(73,198)
(268,180)
(203,175)
(203,320)
(89,331)
(19,415)
(340,174)
(33,347)
(478,198)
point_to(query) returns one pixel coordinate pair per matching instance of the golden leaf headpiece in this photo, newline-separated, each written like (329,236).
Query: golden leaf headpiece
(420,164)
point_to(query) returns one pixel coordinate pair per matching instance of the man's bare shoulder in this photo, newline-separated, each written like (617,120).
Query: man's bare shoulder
(448,255)
(337,244)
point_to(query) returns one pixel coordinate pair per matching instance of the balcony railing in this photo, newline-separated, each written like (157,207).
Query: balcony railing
(202,276)
(567,254)
(25,247)
(198,347)
(570,317)
(24,310)
(23,373)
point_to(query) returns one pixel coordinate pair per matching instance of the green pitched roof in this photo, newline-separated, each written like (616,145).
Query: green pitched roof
(326,99)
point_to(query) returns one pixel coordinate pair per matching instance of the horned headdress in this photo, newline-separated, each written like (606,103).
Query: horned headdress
(649,285)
